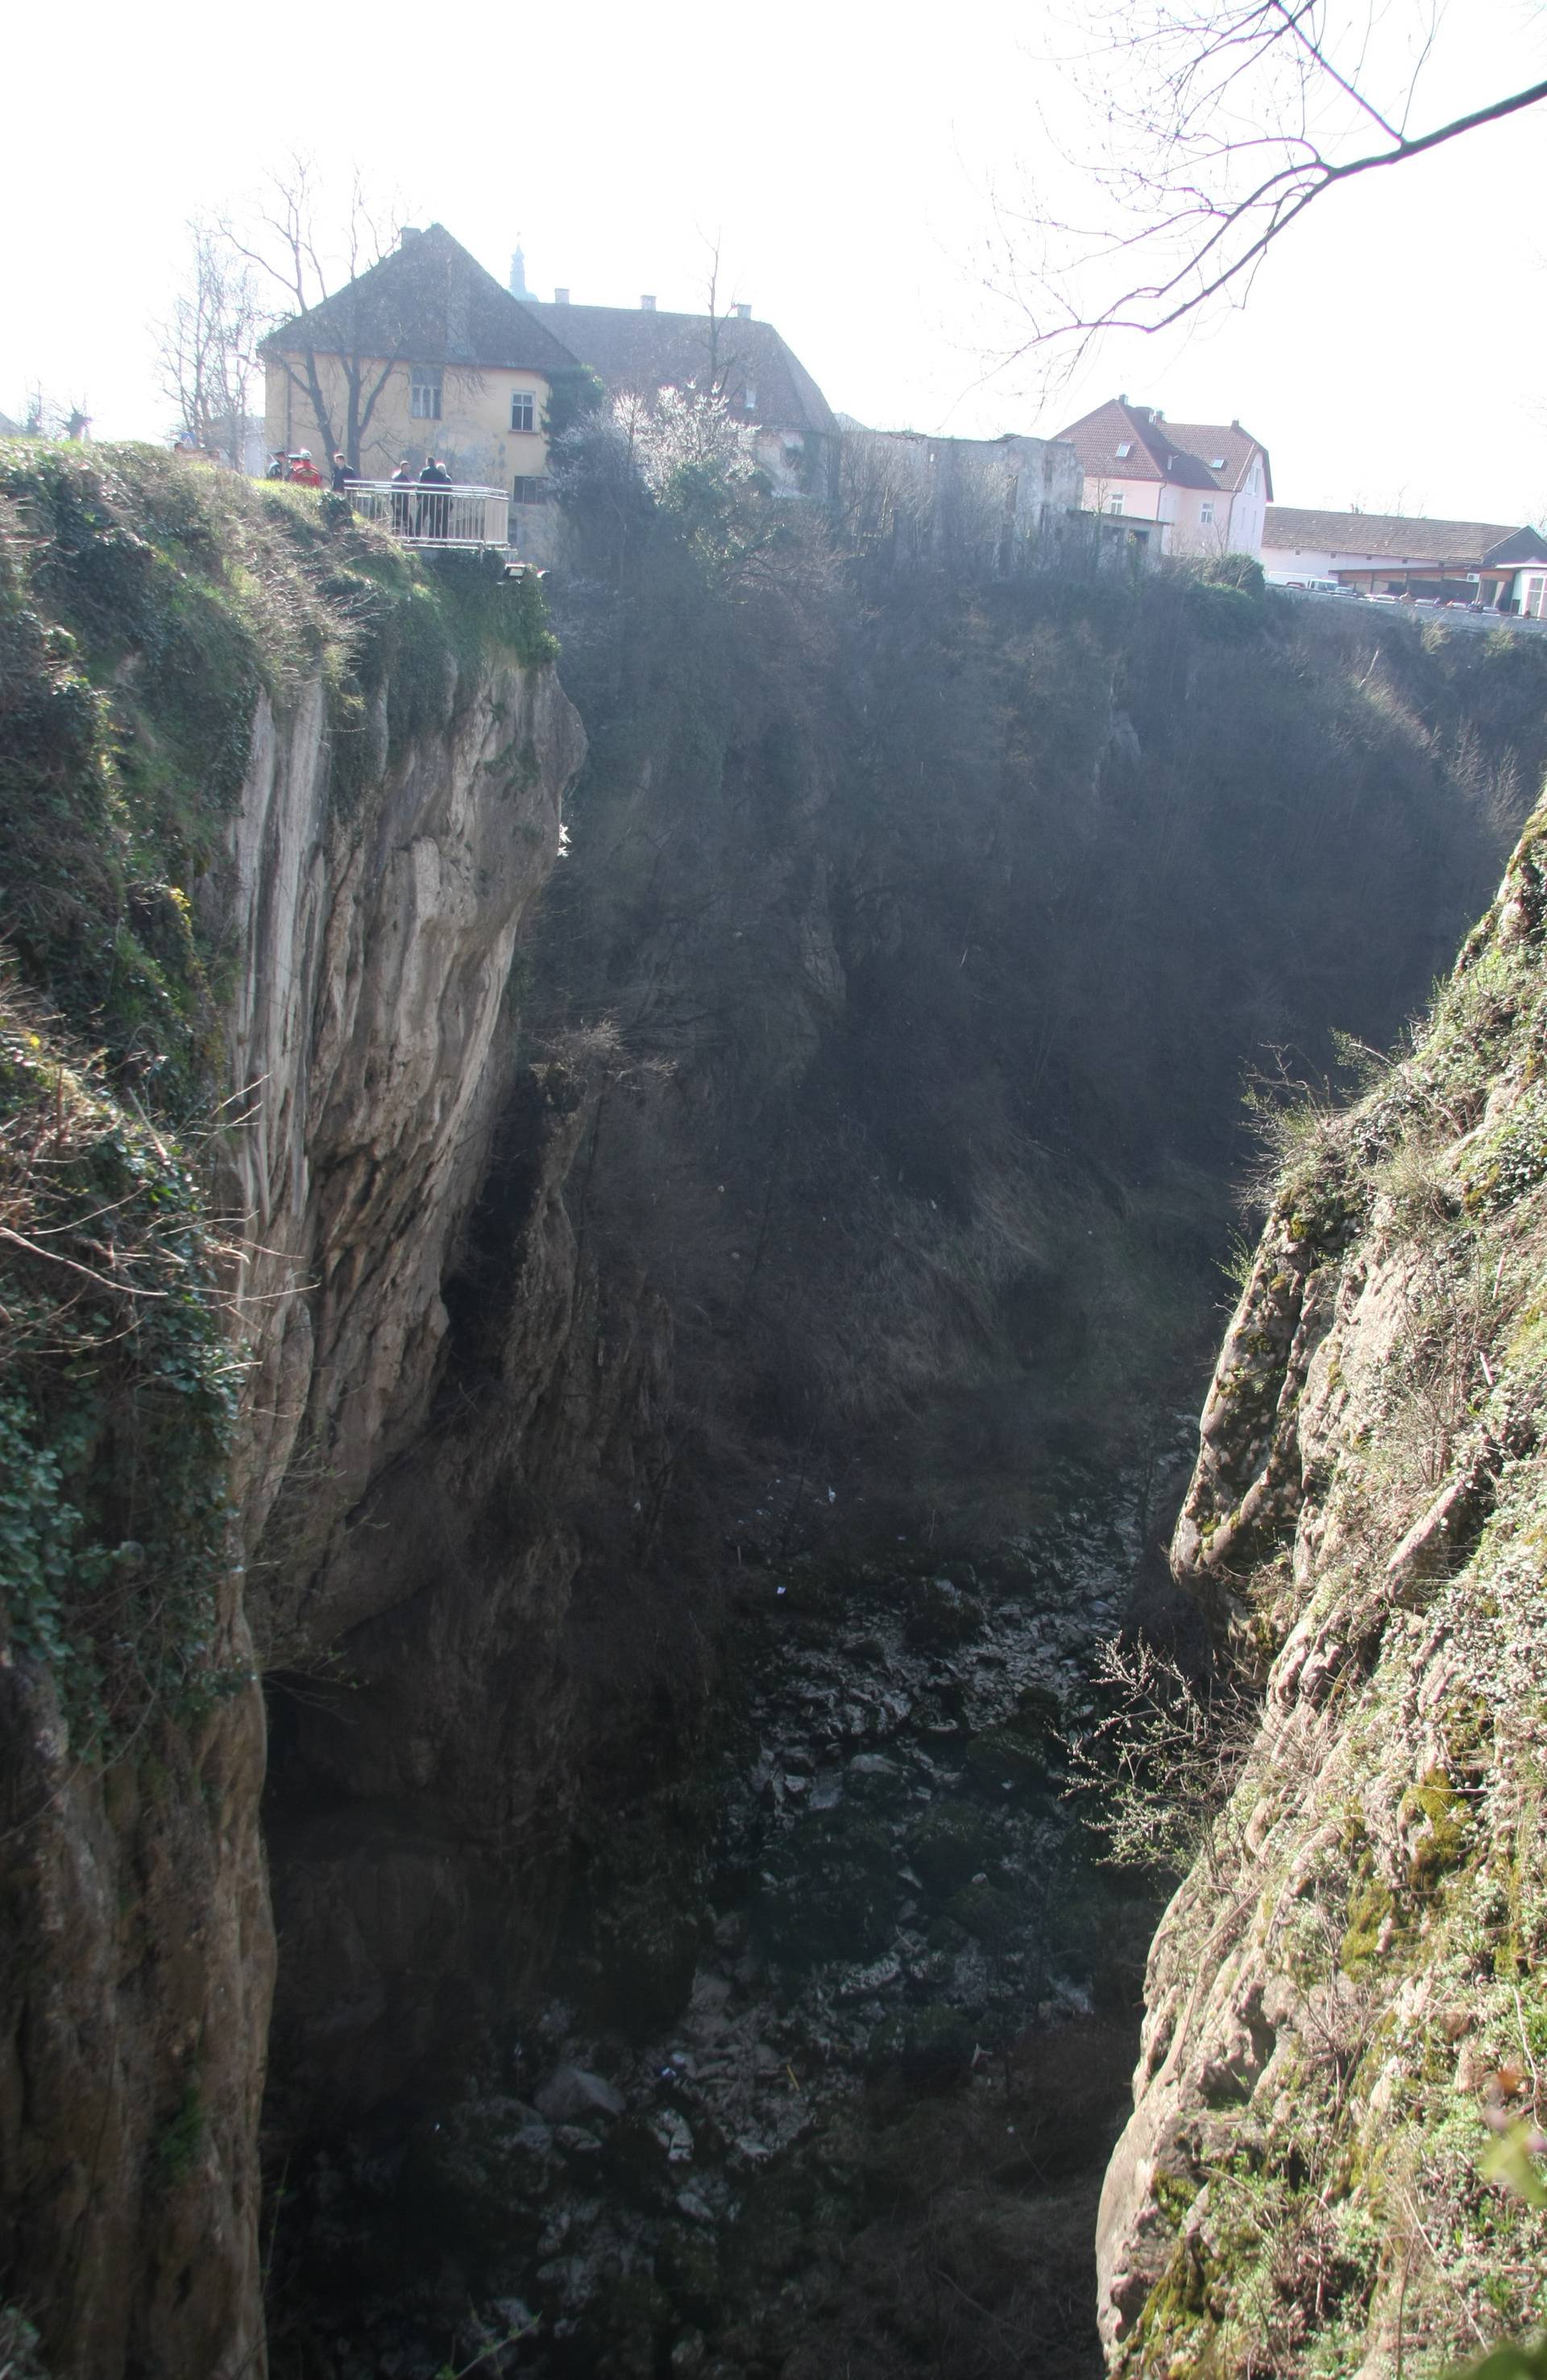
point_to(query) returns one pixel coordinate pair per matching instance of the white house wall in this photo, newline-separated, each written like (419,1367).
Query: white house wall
(1299,562)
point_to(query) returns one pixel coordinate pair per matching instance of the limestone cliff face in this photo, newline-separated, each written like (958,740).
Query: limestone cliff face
(372,1040)
(412,1477)
(370,1047)
(376,959)
(1340,2080)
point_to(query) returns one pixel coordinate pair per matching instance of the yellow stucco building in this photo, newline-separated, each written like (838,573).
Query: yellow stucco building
(425,354)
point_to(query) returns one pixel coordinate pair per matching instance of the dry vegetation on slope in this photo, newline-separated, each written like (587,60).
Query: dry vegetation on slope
(1344,2077)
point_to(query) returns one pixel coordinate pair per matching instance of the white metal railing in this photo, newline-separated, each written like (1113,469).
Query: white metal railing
(419,514)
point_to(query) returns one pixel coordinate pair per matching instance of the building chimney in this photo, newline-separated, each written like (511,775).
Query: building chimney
(409,231)
(518,273)
(561,296)
(646,305)
(1235,425)
(1122,400)
(742,313)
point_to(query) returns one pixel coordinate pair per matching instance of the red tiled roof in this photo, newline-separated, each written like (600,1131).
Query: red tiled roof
(1224,451)
(1182,454)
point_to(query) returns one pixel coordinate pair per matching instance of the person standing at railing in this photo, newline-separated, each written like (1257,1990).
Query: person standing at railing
(403,511)
(343,475)
(434,511)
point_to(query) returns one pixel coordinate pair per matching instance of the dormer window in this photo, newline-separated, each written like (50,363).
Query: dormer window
(1217,463)
(1125,449)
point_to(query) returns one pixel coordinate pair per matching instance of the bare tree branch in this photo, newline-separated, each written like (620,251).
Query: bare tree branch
(288,244)
(1216,124)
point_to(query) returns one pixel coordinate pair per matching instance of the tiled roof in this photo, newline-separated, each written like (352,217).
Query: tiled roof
(1399,536)
(429,302)
(640,349)
(1521,545)
(1182,454)
(1224,451)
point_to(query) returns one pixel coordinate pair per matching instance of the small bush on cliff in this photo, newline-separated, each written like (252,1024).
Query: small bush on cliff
(1157,1768)
(114,1427)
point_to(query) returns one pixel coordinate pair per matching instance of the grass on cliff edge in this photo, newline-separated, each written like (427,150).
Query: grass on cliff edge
(1373,2202)
(145,607)
(145,610)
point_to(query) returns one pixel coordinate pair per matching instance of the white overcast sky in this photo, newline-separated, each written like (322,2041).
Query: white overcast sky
(848,160)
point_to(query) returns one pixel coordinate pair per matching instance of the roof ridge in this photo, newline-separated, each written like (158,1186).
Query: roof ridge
(1410,520)
(361,312)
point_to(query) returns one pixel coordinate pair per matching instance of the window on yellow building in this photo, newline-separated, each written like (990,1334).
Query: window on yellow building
(528,492)
(424,392)
(523,410)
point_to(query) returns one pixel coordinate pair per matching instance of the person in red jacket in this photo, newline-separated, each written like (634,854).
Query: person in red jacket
(304,472)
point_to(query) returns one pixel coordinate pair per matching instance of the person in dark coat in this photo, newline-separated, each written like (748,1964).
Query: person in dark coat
(343,475)
(278,467)
(434,511)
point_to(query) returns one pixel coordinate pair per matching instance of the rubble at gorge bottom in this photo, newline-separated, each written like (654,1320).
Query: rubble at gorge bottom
(906,2010)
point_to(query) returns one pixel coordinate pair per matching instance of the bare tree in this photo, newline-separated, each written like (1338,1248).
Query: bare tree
(47,416)
(1214,125)
(206,347)
(304,258)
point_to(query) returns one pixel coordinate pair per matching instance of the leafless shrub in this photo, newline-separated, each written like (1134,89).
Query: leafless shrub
(1161,1767)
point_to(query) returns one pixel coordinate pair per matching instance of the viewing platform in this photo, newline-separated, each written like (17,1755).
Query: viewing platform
(472,519)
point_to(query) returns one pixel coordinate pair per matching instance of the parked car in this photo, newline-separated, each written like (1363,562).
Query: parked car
(1295,583)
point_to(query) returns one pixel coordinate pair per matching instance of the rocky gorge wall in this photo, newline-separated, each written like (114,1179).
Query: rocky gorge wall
(1338,2098)
(358,862)
(917,944)
(936,923)
(459,1315)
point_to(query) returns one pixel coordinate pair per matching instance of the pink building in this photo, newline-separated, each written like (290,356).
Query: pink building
(1187,487)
